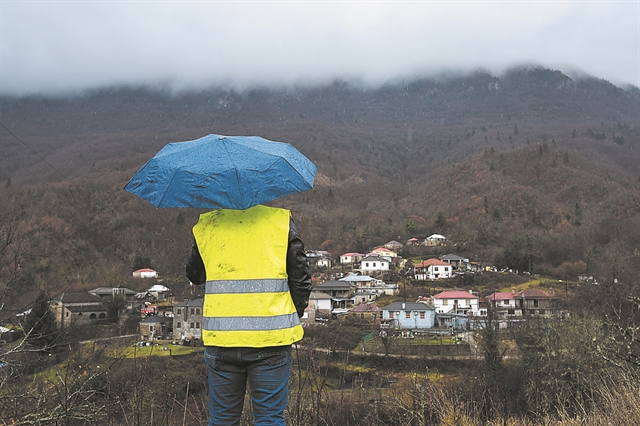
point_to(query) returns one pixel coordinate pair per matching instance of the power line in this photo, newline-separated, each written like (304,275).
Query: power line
(20,165)
(32,150)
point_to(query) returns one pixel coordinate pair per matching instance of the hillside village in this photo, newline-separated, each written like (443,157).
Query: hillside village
(349,287)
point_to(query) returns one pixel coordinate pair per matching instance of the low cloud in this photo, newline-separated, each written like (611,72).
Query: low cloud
(57,47)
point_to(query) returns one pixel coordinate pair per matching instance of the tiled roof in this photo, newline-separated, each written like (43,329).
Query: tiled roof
(338,285)
(86,308)
(501,295)
(319,295)
(455,295)
(80,297)
(408,306)
(374,258)
(155,319)
(197,303)
(534,293)
(431,262)
(436,237)
(109,290)
(452,257)
(357,278)
(366,307)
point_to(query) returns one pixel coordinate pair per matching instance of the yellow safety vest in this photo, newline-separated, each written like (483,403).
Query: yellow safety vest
(247,301)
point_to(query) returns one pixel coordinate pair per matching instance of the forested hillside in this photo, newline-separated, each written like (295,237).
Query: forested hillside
(531,170)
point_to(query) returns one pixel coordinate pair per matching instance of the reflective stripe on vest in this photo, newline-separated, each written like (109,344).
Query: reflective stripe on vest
(247,286)
(247,300)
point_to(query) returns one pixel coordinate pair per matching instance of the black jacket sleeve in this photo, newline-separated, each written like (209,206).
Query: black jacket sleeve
(195,266)
(297,269)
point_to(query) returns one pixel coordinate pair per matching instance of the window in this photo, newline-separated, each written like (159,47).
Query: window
(445,302)
(197,325)
(407,314)
(390,315)
(92,316)
(197,311)
(193,311)
(150,328)
(366,264)
(435,268)
(192,325)
(179,311)
(102,315)
(178,324)
(422,315)
(511,311)
(375,264)
(535,303)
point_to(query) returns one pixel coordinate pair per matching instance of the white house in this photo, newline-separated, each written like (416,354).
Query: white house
(435,240)
(432,269)
(350,258)
(373,264)
(160,292)
(320,301)
(456,302)
(323,262)
(503,300)
(145,273)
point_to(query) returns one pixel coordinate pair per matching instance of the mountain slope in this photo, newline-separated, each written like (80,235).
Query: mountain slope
(531,154)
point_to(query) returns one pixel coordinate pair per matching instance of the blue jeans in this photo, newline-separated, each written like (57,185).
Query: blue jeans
(267,370)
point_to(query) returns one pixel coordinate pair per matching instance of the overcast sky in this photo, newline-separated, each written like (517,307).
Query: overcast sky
(60,46)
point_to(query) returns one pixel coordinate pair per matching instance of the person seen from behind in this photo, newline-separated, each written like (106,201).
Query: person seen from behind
(257,284)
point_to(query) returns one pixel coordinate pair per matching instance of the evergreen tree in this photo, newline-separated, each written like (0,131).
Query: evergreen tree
(40,326)
(441,221)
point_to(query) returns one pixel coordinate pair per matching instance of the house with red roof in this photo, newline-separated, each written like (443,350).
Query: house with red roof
(351,258)
(531,301)
(456,302)
(432,269)
(534,301)
(145,273)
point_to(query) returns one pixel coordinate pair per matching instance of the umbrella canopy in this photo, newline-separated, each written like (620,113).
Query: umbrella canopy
(230,172)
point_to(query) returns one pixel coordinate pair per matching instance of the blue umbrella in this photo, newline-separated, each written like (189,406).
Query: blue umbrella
(230,172)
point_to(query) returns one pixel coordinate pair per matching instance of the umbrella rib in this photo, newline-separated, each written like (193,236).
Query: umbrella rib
(240,189)
(167,188)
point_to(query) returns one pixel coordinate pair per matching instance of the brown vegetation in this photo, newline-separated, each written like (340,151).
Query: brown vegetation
(530,171)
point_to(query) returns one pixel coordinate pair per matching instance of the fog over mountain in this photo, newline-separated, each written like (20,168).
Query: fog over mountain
(62,47)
